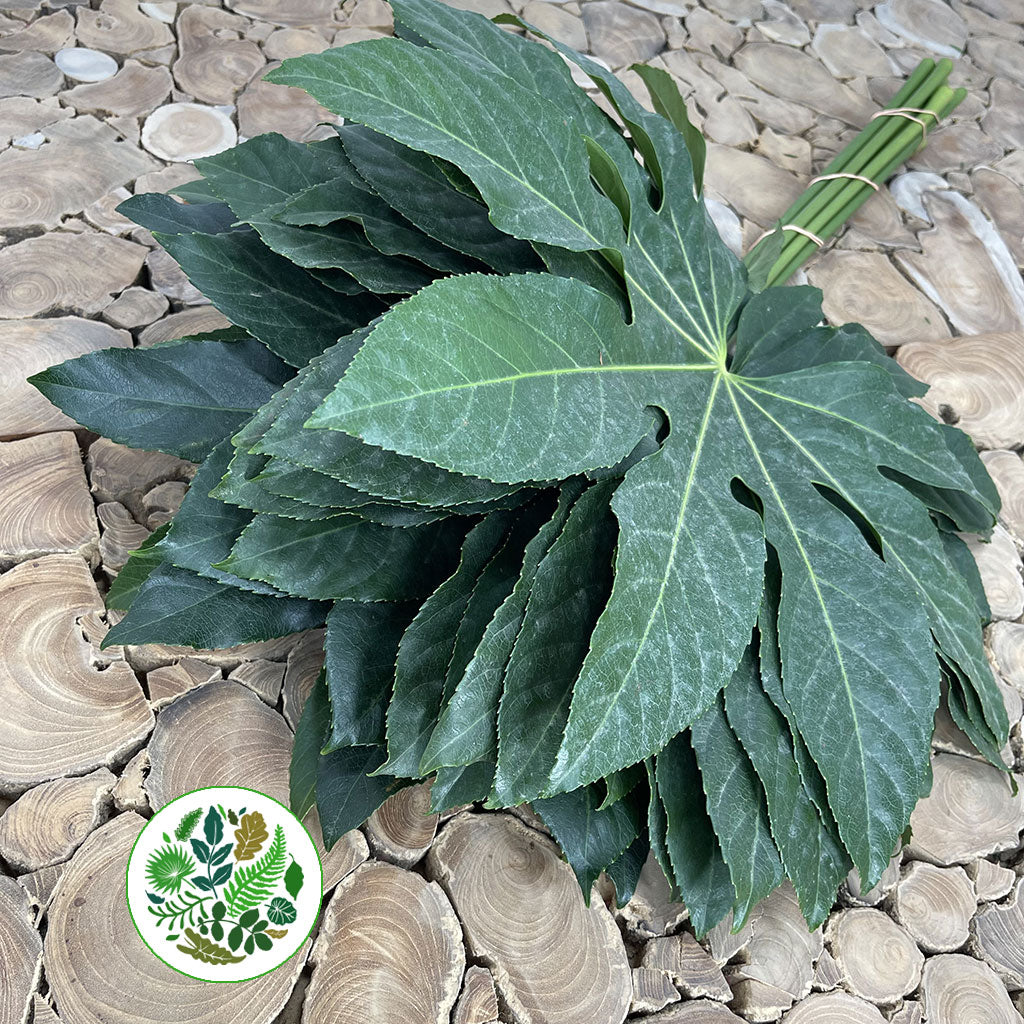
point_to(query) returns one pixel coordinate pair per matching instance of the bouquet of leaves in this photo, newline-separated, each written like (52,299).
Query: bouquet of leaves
(593,519)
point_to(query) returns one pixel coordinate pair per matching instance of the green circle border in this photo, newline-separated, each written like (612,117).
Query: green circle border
(223,981)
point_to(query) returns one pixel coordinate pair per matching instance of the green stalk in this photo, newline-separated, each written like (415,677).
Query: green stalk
(851,195)
(875,153)
(916,91)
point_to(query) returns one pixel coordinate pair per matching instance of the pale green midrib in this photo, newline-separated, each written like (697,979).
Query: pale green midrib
(670,561)
(811,575)
(515,378)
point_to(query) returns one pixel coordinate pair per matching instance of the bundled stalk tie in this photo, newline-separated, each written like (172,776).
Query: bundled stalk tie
(886,142)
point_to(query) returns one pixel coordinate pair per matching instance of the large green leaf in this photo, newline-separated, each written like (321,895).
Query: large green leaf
(181,397)
(555,359)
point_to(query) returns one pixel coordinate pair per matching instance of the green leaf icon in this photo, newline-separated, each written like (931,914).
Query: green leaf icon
(213,827)
(293,879)
(187,824)
(167,869)
(281,911)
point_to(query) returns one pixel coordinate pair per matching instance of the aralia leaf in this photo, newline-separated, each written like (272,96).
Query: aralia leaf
(181,397)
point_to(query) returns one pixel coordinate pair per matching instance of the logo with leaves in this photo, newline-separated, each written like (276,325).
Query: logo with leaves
(225,883)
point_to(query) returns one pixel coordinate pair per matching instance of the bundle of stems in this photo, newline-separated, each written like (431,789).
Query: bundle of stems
(868,161)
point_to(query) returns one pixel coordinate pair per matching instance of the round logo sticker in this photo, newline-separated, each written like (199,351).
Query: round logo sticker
(224,884)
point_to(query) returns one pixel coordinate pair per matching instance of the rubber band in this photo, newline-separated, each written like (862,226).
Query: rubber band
(908,113)
(790,227)
(843,174)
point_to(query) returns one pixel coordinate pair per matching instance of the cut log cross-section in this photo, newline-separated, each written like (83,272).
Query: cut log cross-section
(402,829)
(62,715)
(20,951)
(971,812)
(47,508)
(101,972)
(835,1008)
(997,937)
(935,906)
(390,949)
(691,969)
(553,958)
(478,1002)
(48,823)
(958,989)
(877,959)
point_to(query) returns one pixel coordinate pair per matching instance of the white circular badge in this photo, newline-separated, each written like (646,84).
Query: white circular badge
(224,884)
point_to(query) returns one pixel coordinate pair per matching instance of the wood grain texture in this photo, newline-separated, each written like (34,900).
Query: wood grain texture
(390,949)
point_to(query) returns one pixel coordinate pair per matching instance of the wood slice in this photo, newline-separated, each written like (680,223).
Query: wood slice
(283,43)
(691,969)
(1002,199)
(965,267)
(126,475)
(199,320)
(971,812)
(47,506)
(100,971)
(652,990)
(43,1012)
(793,75)
(910,1013)
(128,791)
(119,27)
(214,62)
(66,273)
(826,973)
(63,715)
(168,682)
(478,1002)
(287,12)
(121,535)
(390,949)
(41,884)
(21,951)
(28,74)
(1000,569)
(263,677)
(169,280)
(1005,642)
(264,107)
(957,989)
(776,959)
(752,186)
(975,382)
(865,288)
(402,828)
(697,1011)
(22,115)
(161,503)
(834,1008)
(83,161)
(46,34)
(651,911)
(1007,472)
(220,734)
(997,937)
(851,894)
(147,657)
(224,735)
(935,905)
(991,881)
(305,660)
(134,307)
(553,958)
(187,131)
(84,65)
(49,822)
(31,346)
(622,35)
(135,90)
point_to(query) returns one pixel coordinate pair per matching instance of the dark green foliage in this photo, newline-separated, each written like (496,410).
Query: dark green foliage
(592,520)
